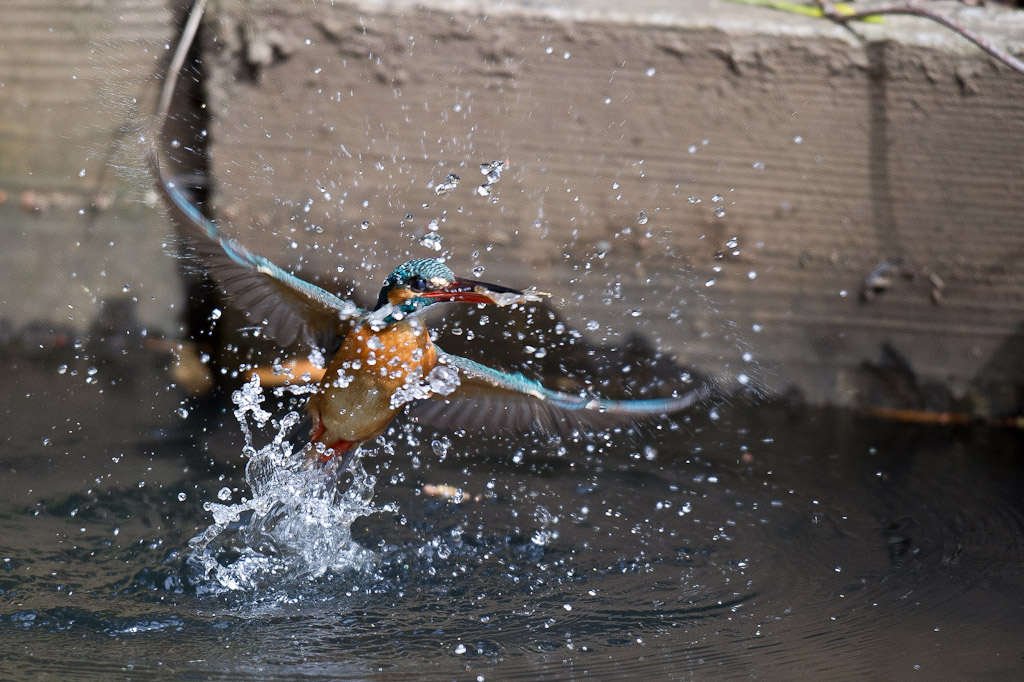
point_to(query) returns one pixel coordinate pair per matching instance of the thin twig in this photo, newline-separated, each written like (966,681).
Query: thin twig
(830,11)
(188,34)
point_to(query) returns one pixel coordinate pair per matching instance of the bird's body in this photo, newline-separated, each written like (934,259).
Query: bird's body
(355,400)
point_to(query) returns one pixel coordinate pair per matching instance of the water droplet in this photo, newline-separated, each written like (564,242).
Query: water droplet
(364,225)
(182,497)
(642,218)
(216,313)
(493,168)
(593,325)
(752,275)
(720,212)
(549,50)
(798,139)
(431,240)
(758,165)
(62,369)
(460,649)
(81,173)
(450,183)
(182,412)
(709,283)
(224,494)
(566,55)
(748,356)
(443,380)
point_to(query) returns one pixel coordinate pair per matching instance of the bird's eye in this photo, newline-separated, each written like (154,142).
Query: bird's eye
(417,283)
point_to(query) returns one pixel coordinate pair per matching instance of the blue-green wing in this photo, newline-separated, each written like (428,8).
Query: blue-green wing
(488,399)
(289,308)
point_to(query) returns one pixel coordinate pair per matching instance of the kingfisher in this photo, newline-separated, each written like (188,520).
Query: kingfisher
(385,360)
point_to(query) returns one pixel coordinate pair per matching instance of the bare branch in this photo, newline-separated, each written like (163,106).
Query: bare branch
(829,9)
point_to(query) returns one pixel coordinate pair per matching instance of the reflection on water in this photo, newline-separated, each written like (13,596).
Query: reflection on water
(769,544)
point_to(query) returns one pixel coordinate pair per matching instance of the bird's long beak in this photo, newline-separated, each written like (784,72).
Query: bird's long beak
(472,291)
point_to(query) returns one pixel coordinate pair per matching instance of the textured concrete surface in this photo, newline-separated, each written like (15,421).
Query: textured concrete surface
(776,162)
(76,80)
(718,178)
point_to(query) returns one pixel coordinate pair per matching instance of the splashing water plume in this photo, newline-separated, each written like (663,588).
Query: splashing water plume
(296,526)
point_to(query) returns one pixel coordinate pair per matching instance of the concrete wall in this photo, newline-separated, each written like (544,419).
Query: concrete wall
(76,85)
(830,156)
(642,144)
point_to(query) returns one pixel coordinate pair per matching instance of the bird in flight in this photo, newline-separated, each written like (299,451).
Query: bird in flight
(385,357)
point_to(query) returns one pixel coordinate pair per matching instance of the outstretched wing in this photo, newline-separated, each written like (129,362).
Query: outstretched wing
(290,308)
(488,398)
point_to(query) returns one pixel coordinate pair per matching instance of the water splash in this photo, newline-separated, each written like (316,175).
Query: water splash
(449,184)
(298,523)
(492,174)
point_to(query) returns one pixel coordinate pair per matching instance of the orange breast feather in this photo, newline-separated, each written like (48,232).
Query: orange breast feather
(355,402)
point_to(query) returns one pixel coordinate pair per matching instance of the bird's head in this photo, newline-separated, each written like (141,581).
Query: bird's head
(416,284)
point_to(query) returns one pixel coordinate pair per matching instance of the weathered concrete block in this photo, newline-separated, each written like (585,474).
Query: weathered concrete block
(76,81)
(719,178)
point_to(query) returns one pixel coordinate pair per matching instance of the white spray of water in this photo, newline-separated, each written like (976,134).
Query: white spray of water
(296,526)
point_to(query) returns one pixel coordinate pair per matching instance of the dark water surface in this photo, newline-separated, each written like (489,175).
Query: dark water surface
(765,544)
